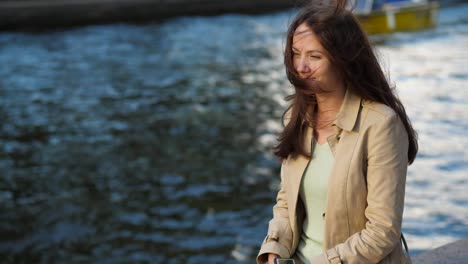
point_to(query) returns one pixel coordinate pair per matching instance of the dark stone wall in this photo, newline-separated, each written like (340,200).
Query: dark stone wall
(39,14)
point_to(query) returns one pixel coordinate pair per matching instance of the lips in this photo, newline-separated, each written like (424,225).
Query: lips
(309,79)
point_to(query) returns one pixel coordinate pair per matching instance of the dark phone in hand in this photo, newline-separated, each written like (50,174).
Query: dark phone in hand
(284,261)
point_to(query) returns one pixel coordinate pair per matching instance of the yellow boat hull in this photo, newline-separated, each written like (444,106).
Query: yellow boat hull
(406,18)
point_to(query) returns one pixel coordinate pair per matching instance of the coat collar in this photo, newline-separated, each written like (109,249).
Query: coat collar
(347,116)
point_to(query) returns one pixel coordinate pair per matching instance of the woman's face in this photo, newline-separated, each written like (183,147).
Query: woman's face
(311,60)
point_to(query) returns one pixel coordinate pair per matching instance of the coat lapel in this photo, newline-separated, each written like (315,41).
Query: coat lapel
(294,170)
(341,143)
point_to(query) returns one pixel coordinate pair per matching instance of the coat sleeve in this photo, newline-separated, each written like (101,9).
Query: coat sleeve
(279,236)
(387,163)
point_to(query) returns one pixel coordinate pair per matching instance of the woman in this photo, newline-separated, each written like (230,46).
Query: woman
(345,149)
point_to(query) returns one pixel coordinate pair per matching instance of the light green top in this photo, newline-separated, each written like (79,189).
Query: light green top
(313,192)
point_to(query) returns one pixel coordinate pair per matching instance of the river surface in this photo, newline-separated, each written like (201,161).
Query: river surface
(152,143)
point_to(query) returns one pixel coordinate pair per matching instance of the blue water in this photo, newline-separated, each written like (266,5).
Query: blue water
(152,143)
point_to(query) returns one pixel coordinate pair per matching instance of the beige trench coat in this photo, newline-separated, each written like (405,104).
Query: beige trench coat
(365,195)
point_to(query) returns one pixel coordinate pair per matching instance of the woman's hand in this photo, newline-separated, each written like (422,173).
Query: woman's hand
(271,258)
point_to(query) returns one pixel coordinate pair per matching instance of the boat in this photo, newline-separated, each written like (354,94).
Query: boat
(388,16)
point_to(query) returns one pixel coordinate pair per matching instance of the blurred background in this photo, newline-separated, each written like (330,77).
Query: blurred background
(151,142)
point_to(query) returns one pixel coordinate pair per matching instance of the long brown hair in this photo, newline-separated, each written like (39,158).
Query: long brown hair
(350,51)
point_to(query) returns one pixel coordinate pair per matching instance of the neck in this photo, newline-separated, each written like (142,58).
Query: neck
(328,105)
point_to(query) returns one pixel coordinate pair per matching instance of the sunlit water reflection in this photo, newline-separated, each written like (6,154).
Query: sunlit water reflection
(152,144)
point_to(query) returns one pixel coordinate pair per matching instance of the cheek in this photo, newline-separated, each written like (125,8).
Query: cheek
(295,62)
(325,69)
(333,73)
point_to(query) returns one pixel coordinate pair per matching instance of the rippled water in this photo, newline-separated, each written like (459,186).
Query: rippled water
(151,143)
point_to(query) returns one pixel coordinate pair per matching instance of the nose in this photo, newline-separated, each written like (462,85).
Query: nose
(302,66)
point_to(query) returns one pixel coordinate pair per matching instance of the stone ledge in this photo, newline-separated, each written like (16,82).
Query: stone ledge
(453,253)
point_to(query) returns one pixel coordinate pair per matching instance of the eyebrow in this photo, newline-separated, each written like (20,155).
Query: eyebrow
(308,51)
